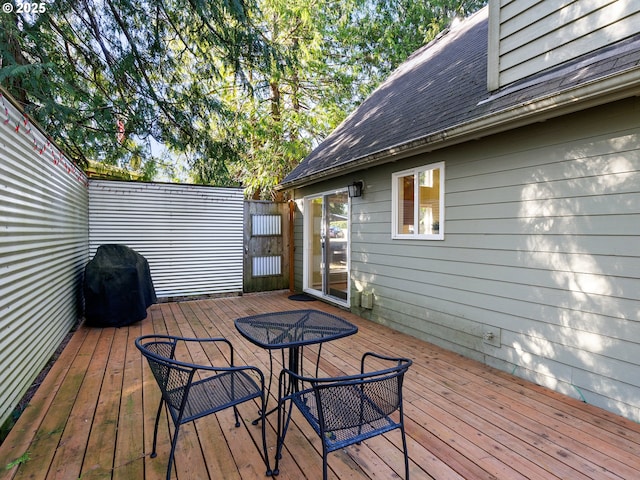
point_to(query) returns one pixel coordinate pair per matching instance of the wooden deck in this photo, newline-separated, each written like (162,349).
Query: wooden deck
(93,415)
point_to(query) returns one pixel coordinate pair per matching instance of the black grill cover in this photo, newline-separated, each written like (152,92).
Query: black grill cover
(117,287)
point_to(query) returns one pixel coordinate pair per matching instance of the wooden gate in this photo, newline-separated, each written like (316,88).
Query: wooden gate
(267,244)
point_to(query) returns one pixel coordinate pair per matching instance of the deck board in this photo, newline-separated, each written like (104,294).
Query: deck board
(93,415)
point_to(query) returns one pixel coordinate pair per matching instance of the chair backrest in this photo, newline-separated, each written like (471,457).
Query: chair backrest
(359,400)
(172,378)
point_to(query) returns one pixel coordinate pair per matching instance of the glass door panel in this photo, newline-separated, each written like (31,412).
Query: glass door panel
(315,279)
(336,245)
(326,256)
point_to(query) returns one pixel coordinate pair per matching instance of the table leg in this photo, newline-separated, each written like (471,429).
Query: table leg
(294,366)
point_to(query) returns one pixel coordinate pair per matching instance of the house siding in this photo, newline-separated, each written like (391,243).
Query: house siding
(528,36)
(541,250)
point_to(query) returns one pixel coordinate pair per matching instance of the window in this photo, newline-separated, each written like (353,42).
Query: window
(418,203)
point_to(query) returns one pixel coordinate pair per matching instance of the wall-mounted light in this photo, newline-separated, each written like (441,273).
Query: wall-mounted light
(355,189)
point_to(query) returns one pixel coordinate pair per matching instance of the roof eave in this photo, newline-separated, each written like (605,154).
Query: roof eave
(589,94)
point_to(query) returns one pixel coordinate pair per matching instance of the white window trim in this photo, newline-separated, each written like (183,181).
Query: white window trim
(395,208)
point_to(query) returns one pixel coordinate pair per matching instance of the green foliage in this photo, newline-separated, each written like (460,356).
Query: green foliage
(332,55)
(239,91)
(24,458)
(369,39)
(104,77)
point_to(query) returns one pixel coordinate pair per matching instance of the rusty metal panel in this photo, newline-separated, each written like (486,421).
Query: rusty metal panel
(192,235)
(43,250)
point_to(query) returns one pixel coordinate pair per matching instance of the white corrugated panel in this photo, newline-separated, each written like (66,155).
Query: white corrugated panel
(191,235)
(266,225)
(43,251)
(266,266)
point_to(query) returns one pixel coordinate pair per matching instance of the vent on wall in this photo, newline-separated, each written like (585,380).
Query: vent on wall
(366,300)
(266,266)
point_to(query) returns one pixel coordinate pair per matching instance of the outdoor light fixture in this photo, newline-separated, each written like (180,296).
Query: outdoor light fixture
(355,189)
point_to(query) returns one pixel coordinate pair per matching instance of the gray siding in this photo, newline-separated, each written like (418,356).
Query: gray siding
(191,235)
(528,36)
(541,249)
(43,251)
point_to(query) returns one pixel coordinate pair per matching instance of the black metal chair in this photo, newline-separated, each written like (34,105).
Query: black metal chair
(192,391)
(346,410)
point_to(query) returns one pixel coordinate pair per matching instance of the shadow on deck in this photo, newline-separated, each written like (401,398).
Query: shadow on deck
(93,415)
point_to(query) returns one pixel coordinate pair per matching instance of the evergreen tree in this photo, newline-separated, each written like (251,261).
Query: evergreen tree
(240,89)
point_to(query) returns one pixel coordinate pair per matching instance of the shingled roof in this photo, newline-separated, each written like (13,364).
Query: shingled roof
(440,94)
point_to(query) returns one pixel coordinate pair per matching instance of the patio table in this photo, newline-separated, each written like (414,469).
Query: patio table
(293,330)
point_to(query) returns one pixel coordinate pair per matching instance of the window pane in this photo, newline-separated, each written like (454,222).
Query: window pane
(418,199)
(429,208)
(405,204)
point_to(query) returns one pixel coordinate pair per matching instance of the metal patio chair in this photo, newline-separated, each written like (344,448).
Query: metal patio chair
(192,391)
(346,410)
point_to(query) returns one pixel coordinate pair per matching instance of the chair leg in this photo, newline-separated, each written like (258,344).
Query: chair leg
(235,412)
(174,442)
(264,437)
(155,430)
(324,463)
(283,425)
(406,453)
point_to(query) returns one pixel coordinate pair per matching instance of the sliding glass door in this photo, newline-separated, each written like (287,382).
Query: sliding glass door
(326,246)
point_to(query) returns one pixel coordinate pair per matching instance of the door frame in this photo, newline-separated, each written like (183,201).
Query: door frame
(308,225)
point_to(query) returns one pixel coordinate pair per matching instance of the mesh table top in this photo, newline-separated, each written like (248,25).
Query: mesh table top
(293,328)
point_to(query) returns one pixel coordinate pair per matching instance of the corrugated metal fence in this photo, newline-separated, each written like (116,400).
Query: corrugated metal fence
(52,220)
(43,251)
(191,235)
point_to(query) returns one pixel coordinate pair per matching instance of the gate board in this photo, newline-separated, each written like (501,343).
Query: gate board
(267,240)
